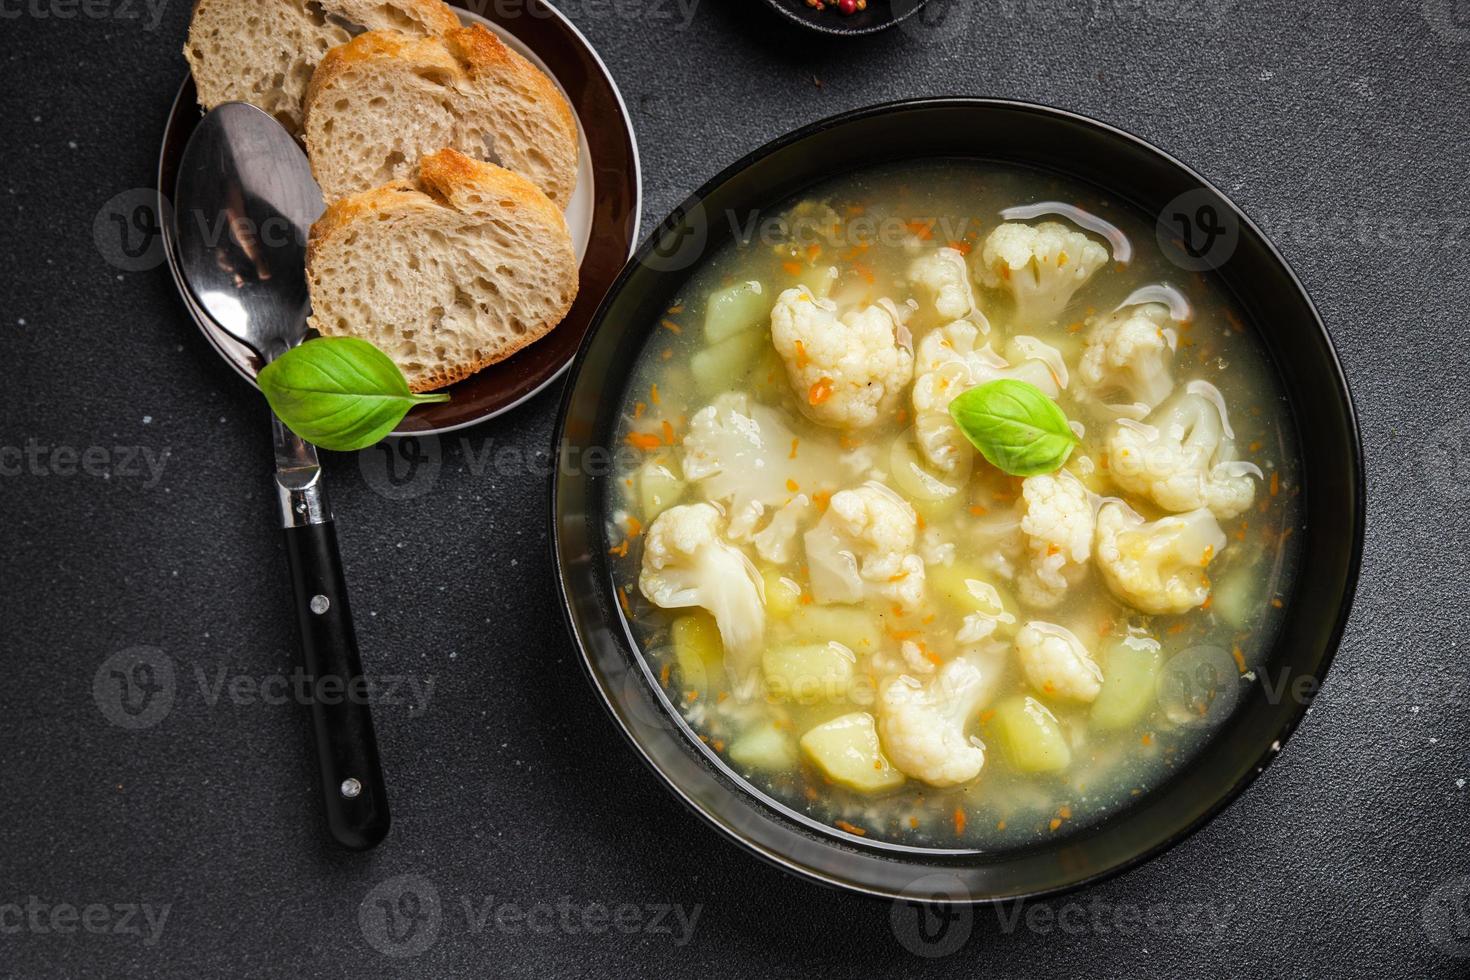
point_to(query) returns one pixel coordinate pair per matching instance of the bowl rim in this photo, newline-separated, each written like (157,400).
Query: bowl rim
(1355,493)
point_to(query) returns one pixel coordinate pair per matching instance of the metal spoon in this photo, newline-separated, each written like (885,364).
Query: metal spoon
(244,203)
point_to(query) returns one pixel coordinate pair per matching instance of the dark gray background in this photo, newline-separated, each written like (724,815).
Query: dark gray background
(1341,127)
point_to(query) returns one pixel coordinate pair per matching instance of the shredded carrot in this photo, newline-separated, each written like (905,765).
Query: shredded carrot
(820,392)
(1276,603)
(813,251)
(1239,658)
(668,432)
(913,823)
(791,268)
(866,271)
(961,246)
(792,486)
(977,510)
(822,498)
(639,409)
(671,326)
(794,444)
(1065,812)
(1000,825)
(1055,823)
(1209,600)
(663,675)
(653,394)
(646,441)
(623,601)
(676,309)
(986,715)
(1147,739)
(1275,483)
(959,821)
(635,526)
(851,828)
(621,550)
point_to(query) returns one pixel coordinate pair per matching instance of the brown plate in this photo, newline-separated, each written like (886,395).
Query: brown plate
(602,215)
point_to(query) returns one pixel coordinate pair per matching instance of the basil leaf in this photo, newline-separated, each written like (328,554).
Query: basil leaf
(339,393)
(1015,426)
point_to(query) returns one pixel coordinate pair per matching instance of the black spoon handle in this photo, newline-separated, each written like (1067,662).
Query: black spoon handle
(353,792)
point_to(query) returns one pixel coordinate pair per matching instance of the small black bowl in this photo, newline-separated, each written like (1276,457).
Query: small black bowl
(879,16)
(1277,311)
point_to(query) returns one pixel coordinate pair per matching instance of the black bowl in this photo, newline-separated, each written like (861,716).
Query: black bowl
(1278,312)
(879,16)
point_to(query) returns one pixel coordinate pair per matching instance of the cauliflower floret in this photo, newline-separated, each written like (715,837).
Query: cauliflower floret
(1182,456)
(1130,355)
(687,563)
(922,726)
(910,659)
(1056,663)
(775,542)
(847,371)
(1056,518)
(1040,265)
(745,457)
(864,546)
(948,365)
(1157,567)
(944,275)
(935,548)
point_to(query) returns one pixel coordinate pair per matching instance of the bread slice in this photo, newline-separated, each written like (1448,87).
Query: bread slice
(449,272)
(380,103)
(264,51)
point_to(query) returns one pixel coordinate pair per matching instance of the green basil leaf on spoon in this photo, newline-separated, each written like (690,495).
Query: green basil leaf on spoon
(340,393)
(1015,426)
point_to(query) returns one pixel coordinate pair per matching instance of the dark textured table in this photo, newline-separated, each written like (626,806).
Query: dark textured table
(135,513)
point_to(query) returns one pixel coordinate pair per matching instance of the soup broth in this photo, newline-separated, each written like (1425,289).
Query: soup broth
(862,616)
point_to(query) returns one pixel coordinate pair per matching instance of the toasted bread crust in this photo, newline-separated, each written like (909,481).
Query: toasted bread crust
(431,16)
(445,180)
(465,52)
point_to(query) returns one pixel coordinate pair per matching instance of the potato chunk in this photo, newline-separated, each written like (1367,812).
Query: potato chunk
(847,750)
(698,651)
(764,748)
(1130,681)
(1031,736)
(809,674)
(658,488)
(734,310)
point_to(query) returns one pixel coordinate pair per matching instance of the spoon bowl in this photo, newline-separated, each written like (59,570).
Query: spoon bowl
(245,204)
